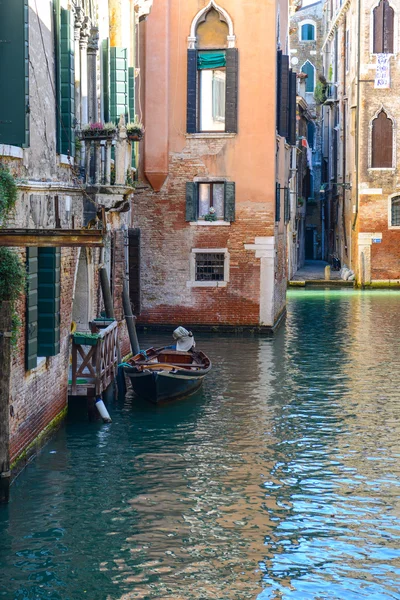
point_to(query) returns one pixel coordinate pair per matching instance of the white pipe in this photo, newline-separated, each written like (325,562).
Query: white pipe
(103,411)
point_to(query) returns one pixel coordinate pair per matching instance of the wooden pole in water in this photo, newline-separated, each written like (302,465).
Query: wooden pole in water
(105,288)
(5,357)
(130,319)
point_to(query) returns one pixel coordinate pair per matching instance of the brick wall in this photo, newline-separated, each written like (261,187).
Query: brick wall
(167,240)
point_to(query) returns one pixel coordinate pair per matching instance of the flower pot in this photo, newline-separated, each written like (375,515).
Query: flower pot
(135,137)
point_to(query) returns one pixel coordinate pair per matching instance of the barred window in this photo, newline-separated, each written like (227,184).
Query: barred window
(209,266)
(396,211)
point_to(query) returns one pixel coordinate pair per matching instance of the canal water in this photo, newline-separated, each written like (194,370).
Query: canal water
(279,480)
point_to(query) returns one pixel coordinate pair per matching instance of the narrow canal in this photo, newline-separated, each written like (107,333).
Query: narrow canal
(279,480)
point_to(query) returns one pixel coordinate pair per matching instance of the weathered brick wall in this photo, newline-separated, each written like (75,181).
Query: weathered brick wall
(167,240)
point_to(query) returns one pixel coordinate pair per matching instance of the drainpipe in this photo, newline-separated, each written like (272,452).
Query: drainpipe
(357,152)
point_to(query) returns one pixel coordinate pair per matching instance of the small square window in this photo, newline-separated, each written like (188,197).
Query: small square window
(396,211)
(209,266)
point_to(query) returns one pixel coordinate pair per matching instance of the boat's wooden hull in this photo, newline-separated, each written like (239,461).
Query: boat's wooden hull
(162,387)
(164,374)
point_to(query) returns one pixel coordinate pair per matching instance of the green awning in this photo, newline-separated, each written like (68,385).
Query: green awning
(211,60)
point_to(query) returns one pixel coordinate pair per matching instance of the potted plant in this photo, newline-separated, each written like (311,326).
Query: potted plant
(98,131)
(135,131)
(300,201)
(211,216)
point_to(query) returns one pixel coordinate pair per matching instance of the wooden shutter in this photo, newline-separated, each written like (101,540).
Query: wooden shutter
(131,80)
(277,202)
(118,83)
(105,49)
(382,142)
(49,262)
(191,202)
(231,104)
(378,29)
(191,114)
(230,201)
(284,99)
(14,70)
(66,112)
(134,269)
(388,26)
(31,316)
(287,205)
(278,88)
(292,107)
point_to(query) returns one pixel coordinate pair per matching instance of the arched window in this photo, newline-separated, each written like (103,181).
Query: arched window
(395,216)
(383,28)
(307,32)
(309,70)
(212,72)
(382,142)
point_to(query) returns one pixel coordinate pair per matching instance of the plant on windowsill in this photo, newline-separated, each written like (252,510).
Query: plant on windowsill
(98,131)
(300,201)
(211,216)
(135,131)
(320,91)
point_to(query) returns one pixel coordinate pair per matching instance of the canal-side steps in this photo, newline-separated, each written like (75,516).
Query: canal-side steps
(313,274)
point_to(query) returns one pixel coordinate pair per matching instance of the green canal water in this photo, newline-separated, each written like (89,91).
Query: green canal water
(279,480)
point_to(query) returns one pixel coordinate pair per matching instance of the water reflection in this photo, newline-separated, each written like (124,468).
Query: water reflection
(279,480)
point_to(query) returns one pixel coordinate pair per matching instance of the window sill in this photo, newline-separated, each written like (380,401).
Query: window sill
(211,135)
(11,151)
(203,284)
(203,223)
(394,227)
(381,168)
(40,365)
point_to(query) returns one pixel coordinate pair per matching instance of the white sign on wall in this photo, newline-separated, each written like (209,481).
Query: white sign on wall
(382,76)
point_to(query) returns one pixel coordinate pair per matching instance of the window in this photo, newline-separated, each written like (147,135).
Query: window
(210,201)
(65,82)
(383,17)
(212,86)
(347,51)
(382,142)
(286,89)
(212,79)
(42,304)
(14,97)
(309,70)
(311,134)
(395,217)
(307,32)
(209,267)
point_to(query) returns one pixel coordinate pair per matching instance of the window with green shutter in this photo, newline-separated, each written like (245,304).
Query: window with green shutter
(42,304)
(49,262)
(65,68)
(106,79)
(212,90)
(210,201)
(31,315)
(118,83)
(14,72)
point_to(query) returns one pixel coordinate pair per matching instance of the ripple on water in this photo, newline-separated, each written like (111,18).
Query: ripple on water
(279,480)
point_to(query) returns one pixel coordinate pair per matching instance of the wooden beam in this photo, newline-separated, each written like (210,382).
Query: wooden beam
(53,238)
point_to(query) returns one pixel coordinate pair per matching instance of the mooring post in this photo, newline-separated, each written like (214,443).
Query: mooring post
(130,319)
(5,357)
(105,288)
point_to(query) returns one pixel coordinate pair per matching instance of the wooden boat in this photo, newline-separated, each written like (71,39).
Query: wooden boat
(162,374)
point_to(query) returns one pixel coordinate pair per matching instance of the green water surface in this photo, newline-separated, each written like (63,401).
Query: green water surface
(279,480)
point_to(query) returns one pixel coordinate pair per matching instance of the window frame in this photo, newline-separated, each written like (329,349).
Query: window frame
(372,30)
(192,283)
(390,201)
(199,95)
(307,22)
(303,24)
(394,141)
(314,75)
(211,184)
